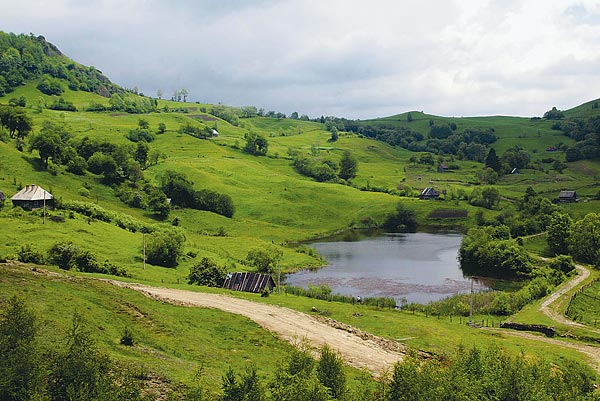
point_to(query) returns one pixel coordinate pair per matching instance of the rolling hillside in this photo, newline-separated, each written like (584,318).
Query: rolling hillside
(276,208)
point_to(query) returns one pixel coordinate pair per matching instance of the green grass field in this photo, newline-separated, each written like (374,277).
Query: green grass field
(275,206)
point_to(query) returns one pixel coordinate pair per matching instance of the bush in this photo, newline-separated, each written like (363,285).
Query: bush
(403,220)
(50,86)
(164,248)
(27,254)
(127,337)
(207,273)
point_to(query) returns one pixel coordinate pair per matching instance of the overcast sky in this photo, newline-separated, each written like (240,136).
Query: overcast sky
(349,58)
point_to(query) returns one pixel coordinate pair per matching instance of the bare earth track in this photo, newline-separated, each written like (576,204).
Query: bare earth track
(361,351)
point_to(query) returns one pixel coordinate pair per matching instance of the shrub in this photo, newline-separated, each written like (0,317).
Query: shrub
(127,337)
(27,254)
(164,248)
(50,86)
(207,273)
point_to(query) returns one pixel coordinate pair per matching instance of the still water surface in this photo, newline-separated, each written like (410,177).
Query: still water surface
(420,267)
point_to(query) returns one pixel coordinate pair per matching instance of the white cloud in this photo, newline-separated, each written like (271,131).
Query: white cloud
(352,58)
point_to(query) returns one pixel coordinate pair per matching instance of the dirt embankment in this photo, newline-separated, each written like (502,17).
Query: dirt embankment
(358,349)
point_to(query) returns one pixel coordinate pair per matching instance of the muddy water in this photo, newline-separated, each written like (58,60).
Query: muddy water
(420,267)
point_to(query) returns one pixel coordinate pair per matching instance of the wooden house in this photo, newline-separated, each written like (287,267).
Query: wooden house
(249,282)
(33,197)
(567,197)
(429,193)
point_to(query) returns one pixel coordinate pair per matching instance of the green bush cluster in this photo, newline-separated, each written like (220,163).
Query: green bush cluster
(208,273)
(97,212)
(67,256)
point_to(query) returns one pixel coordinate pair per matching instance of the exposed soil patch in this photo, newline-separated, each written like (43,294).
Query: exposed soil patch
(203,117)
(448,214)
(358,349)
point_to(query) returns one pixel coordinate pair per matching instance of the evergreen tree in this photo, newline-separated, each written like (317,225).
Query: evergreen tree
(330,372)
(348,166)
(492,161)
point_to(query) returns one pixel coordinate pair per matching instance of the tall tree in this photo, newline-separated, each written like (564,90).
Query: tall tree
(348,166)
(492,161)
(49,142)
(330,371)
(19,371)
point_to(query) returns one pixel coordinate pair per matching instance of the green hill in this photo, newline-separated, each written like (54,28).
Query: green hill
(113,151)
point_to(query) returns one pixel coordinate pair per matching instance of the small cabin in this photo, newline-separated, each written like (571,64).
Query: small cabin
(33,197)
(442,168)
(568,197)
(514,171)
(249,282)
(429,193)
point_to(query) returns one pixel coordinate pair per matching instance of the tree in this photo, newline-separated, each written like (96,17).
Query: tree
(330,371)
(207,273)
(141,153)
(409,117)
(492,161)
(255,144)
(164,248)
(49,142)
(348,166)
(264,259)
(403,220)
(162,127)
(554,114)
(584,241)
(143,123)
(159,204)
(81,371)
(559,233)
(20,371)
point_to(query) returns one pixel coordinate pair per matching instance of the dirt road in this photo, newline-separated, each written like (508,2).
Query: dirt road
(288,325)
(569,285)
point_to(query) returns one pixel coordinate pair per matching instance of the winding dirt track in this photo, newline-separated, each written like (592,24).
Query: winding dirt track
(375,356)
(287,324)
(591,351)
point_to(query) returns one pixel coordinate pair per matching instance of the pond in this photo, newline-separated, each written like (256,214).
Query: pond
(420,267)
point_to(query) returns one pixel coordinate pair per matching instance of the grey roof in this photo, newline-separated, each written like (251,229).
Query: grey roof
(567,194)
(429,192)
(32,193)
(249,282)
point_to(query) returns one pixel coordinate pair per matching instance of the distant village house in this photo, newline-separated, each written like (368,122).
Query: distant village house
(568,197)
(33,197)
(249,282)
(429,193)
(442,168)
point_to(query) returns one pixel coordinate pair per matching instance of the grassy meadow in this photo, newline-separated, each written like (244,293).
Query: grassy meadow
(274,206)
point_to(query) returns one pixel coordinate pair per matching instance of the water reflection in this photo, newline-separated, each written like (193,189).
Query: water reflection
(420,267)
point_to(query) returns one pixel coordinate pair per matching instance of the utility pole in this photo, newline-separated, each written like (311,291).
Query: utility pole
(471,302)
(44,195)
(144,241)
(278,277)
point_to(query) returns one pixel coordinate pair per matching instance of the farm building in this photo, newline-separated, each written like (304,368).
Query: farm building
(429,193)
(248,282)
(33,197)
(567,197)
(442,168)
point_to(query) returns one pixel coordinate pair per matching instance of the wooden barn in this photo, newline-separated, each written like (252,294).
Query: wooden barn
(429,193)
(33,197)
(568,197)
(249,282)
